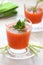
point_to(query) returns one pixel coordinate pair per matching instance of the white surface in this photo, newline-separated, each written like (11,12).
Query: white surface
(39,36)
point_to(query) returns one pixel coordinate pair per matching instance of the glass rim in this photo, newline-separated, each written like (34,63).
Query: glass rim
(27,21)
(27,8)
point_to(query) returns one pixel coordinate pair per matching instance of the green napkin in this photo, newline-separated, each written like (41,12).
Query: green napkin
(7,6)
(8,9)
(9,13)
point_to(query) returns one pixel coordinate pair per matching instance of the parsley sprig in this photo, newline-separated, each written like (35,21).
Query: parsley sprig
(19,25)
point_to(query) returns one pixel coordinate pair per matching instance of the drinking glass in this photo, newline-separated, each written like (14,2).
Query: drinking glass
(34,16)
(18,41)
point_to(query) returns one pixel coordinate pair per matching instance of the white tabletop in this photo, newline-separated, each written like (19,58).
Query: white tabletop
(37,35)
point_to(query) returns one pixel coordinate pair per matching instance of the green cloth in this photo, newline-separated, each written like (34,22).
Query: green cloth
(7,6)
(8,9)
(10,13)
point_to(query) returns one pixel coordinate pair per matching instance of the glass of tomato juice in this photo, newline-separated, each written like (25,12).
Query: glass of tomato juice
(35,16)
(18,41)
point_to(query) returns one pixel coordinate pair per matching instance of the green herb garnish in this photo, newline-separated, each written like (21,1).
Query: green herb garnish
(38,2)
(19,25)
(35,7)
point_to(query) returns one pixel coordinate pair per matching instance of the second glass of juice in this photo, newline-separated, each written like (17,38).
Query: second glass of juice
(35,16)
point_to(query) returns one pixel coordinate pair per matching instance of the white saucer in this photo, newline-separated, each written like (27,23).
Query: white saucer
(25,55)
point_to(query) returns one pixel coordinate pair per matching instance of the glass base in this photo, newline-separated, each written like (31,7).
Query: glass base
(37,27)
(15,51)
(17,54)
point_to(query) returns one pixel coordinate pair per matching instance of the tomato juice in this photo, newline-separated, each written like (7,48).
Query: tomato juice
(18,39)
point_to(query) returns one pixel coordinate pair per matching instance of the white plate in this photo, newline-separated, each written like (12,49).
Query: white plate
(25,55)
